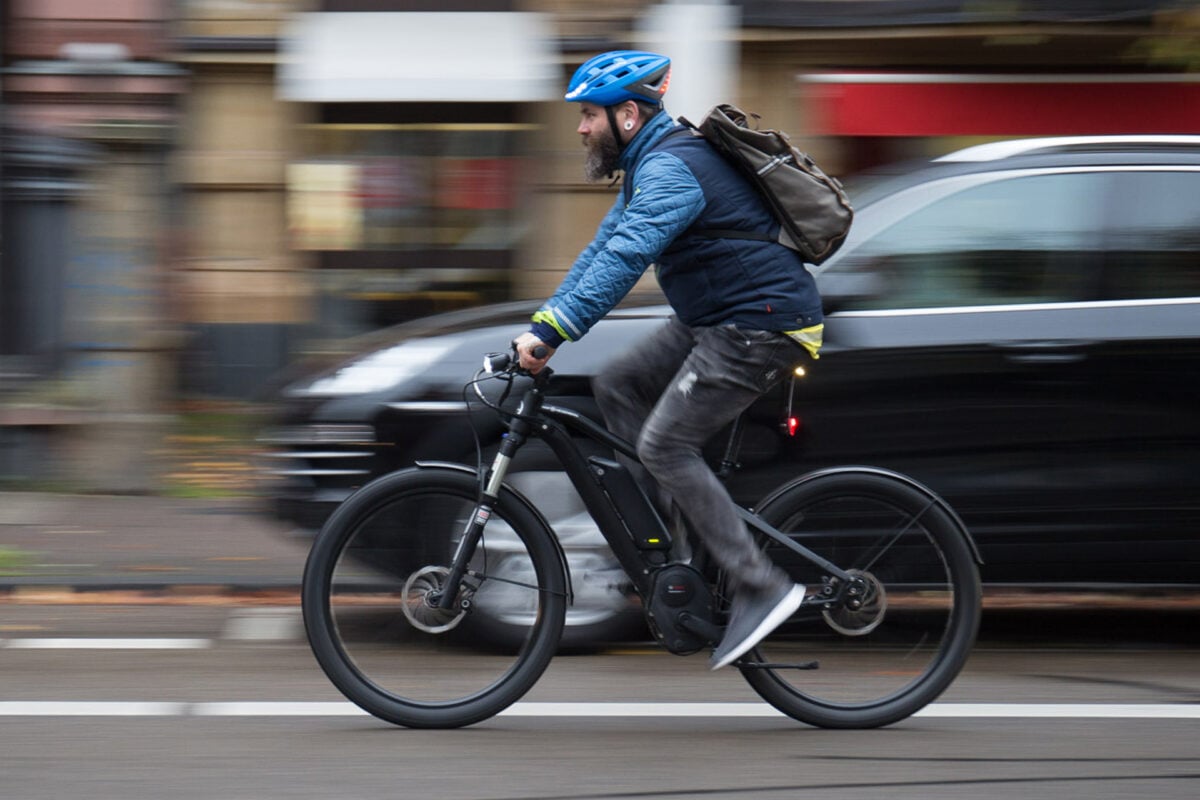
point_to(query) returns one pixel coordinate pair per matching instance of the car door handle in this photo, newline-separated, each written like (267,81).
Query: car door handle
(1046,352)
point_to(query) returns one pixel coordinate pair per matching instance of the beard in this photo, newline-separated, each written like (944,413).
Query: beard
(603,157)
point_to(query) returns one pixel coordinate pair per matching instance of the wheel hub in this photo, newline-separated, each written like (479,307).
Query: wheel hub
(422,591)
(863,606)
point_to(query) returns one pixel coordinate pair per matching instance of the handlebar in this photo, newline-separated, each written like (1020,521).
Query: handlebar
(509,362)
(506,367)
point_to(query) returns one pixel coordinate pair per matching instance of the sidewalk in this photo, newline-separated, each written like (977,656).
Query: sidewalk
(75,543)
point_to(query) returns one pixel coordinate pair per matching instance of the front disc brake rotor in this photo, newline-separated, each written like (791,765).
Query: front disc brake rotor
(421,592)
(861,611)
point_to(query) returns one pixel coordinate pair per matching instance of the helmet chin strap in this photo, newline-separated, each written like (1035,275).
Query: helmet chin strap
(612,126)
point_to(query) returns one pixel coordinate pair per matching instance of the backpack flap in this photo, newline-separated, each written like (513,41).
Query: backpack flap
(813,211)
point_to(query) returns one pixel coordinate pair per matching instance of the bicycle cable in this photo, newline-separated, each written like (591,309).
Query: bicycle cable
(474,384)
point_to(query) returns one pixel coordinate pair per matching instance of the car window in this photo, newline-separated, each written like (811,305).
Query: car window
(1155,235)
(1025,239)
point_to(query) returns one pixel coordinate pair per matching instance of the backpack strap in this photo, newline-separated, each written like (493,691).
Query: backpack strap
(689,129)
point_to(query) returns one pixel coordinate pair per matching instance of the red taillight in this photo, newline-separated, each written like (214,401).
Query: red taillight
(793,425)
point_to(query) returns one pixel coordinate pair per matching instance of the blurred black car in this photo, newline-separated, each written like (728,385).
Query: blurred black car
(1016,325)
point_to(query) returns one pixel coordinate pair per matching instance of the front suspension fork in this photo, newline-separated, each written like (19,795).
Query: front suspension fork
(482,513)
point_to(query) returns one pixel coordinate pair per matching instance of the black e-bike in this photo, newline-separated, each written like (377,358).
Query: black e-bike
(408,575)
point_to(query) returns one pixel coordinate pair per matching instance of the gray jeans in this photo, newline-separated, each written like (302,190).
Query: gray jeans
(670,394)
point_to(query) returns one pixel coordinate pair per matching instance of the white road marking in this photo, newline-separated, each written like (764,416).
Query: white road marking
(1064,710)
(71,708)
(264,624)
(105,644)
(68,708)
(276,709)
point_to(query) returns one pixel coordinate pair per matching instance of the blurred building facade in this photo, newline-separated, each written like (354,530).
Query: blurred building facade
(242,291)
(90,112)
(197,191)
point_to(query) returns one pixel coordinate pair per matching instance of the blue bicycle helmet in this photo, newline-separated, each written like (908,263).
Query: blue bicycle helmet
(621,75)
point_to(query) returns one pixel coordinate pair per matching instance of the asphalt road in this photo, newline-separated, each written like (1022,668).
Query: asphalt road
(226,702)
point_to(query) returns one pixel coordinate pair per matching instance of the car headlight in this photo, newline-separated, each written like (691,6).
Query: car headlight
(376,371)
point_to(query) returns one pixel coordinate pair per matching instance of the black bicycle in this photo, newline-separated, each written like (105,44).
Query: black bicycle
(409,577)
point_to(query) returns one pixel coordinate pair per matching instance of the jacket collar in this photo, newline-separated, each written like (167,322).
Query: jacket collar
(646,138)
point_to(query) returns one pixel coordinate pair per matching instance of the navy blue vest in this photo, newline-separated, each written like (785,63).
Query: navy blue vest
(715,279)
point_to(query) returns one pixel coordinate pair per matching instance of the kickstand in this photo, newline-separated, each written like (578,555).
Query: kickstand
(742,664)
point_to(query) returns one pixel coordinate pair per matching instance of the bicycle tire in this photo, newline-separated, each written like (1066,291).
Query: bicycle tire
(366,589)
(906,643)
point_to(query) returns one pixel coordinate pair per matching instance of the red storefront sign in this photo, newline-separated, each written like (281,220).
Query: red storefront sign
(861,104)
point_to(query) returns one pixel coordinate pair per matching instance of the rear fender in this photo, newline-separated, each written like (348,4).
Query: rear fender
(887,473)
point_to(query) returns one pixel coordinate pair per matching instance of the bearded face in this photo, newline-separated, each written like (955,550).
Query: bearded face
(602,154)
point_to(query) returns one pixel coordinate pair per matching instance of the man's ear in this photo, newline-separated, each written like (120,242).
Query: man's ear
(632,113)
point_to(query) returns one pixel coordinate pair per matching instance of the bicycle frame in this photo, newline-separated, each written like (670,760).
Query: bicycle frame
(553,424)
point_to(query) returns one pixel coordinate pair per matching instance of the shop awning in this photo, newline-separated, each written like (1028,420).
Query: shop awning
(336,57)
(881,104)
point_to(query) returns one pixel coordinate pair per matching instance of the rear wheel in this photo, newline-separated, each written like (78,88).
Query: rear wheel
(907,620)
(371,586)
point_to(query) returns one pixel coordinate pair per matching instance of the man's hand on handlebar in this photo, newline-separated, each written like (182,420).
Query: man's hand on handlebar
(533,352)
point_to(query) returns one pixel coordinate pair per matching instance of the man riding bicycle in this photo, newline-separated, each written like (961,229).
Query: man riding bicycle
(745,308)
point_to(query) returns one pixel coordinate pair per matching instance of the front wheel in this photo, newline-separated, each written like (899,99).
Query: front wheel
(894,643)
(370,594)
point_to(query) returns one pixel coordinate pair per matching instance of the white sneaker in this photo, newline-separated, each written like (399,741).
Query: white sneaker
(752,619)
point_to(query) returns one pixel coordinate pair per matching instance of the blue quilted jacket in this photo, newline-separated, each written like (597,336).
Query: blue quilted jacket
(677,188)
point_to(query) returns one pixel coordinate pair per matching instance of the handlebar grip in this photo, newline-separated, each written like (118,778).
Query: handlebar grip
(540,351)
